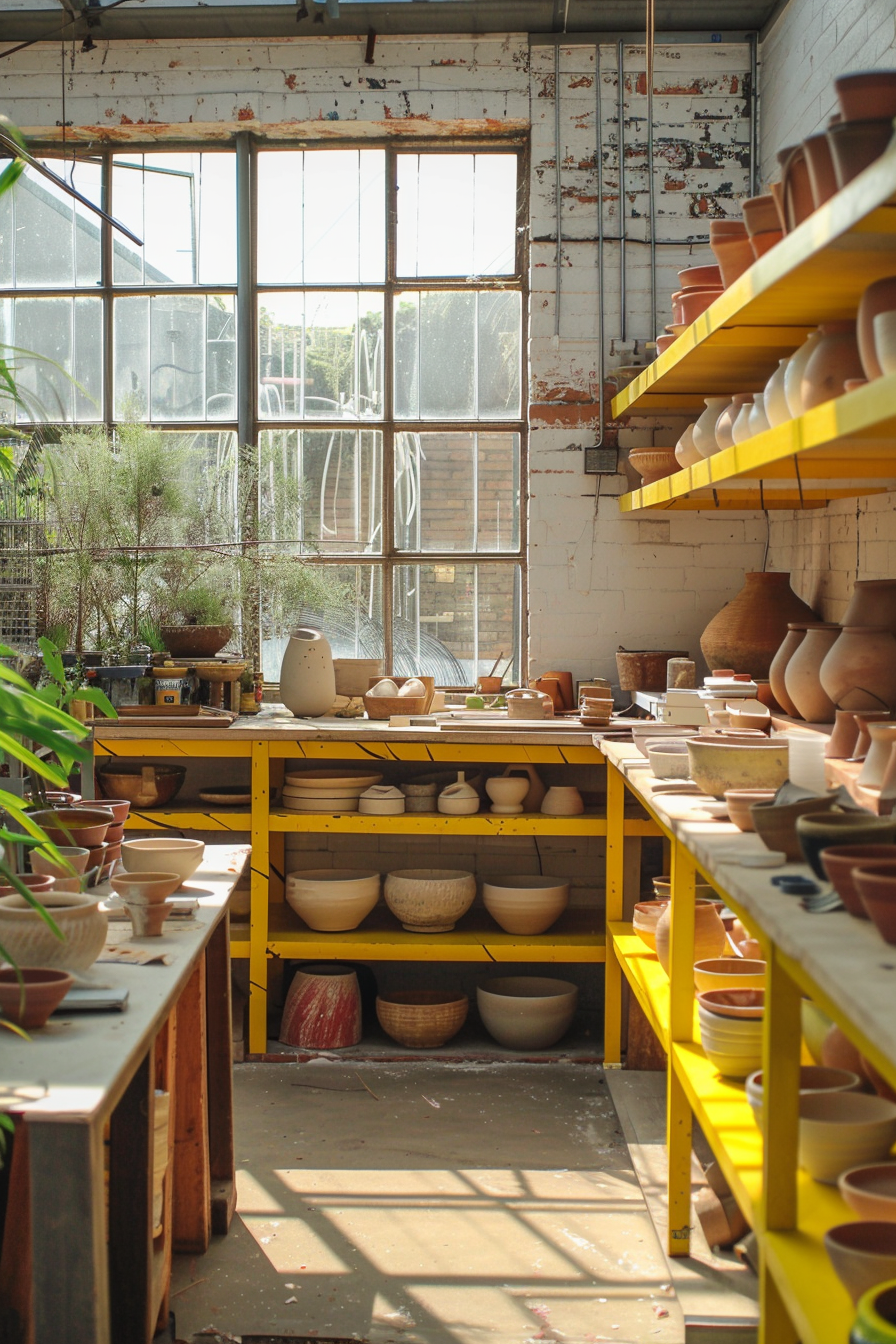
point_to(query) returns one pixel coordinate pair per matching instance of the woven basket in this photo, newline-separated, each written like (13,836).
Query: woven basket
(422,1018)
(384,706)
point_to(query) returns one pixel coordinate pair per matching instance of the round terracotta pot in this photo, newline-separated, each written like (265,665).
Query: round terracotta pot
(776,408)
(873,602)
(877,298)
(709,933)
(35,882)
(747,633)
(841,862)
(322,1009)
(700,277)
(760,214)
(704,434)
(796,188)
(695,302)
(820,165)
(856,144)
(834,359)
(79,826)
(860,670)
(801,677)
(866,93)
(44,989)
(764,242)
(731,248)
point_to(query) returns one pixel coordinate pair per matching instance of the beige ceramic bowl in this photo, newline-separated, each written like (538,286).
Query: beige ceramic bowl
(863,1254)
(527,1012)
(669,760)
(429,900)
(29,941)
(332,900)
(870,1191)
(525,904)
(736,1004)
(162,853)
(715,766)
(153,888)
(739,803)
(76,855)
(843,1129)
(728,973)
(813,1080)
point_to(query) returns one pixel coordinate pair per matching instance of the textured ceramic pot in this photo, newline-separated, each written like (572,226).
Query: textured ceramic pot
(870,1190)
(834,359)
(820,166)
(429,900)
(705,427)
(709,933)
(856,144)
(307,679)
(879,297)
(29,996)
(422,1019)
(760,763)
(860,670)
(740,430)
(686,454)
(562,800)
(322,1009)
(863,1254)
(796,633)
(776,408)
(747,633)
(875,1321)
(523,904)
(801,674)
(28,940)
(166,852)
(793,375)
(839,1130)
(526,1012)
(817,831)
(332,900)
(759,421)
(668,759)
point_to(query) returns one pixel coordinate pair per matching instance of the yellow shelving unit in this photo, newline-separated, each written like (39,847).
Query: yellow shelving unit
(815,274)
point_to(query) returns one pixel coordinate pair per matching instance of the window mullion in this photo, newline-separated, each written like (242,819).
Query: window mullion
(106,258)
(388,483)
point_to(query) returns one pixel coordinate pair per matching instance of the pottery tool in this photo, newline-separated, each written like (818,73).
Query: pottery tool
(496,662)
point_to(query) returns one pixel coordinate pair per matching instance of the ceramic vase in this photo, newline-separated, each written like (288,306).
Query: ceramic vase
(873,602)
(705,427)
(709,933)
(776,408)
(860,670)
(877,298)
(740,430)
(834,359)
(801,677)
(793,375)
(796,633)
(747,633)
(322,1009)
(759,421)
(725,422)
(307,679)
(686,454)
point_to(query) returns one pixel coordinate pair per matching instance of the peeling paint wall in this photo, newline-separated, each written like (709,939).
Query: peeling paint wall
(596,579)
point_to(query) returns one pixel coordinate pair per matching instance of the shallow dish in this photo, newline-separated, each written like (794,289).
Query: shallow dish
(524,905)
(870,1190)
(227,794)
(332,900)
(840,1130)
(728,973)
(320,803)
(331,781)
(527,1012)
(162,853)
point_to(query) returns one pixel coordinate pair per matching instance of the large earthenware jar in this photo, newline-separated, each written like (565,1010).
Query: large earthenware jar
(709,933)
(834,359)
(796,633)
(307,679)
(860,670)
(747,633)
(873,602)
(801,674)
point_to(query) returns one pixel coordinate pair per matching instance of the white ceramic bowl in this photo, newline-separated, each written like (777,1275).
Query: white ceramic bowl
(732,1045)
(164,853)
(669,761)
(527,1012)
(332,900)
(843,1129)
(318,802)
(429,900)
(525,904)
(813,1080)
(458,800)
(507,793)
(383,800)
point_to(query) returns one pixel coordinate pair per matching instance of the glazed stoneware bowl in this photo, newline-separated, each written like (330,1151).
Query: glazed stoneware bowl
(740,801)
(870,1190)
(813,1080)
(775,823)
(168,853)
(523,904)
(429,900)
(30,996)
(717,765)
(332,900)
(527,1012)
(840,863)
(728,973)
(817,831)
(840,1130)
(877,890)
(422,1018)
(863,1254)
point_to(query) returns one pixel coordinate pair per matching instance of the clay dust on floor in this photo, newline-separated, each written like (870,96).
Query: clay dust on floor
(431,1204)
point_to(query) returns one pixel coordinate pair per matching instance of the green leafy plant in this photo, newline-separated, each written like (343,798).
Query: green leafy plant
(201,604)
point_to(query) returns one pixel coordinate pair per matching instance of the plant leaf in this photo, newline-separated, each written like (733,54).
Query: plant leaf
(94,696)
(20,752)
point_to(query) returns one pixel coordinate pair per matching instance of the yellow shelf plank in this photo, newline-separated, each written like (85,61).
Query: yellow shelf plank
(146,748)
(437,823)
(189,818)
(448,752)
(649,982)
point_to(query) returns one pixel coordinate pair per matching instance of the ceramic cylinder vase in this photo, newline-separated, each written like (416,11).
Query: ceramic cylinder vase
(860,670)
(307,679)
(747,633)
(796,633)
(801,675)
(776,408)
(704,435)
(873,602)
(793,375)
(709,933)
(834,359)
(322,1009)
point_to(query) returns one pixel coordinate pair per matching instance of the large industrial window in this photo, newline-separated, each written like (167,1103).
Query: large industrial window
(353,319)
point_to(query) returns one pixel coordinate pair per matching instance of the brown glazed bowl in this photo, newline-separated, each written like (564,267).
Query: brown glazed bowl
(819,830)
(840,863)
(877,890)
(775,823)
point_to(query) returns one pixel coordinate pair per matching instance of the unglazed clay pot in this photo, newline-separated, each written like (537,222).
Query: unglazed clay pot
(877,298)
(322,1009)
(709,933)
(883,739)
(429,900)
(866,93)
(422,1019)
(645,919)
(307,679)
(834,359)
(759,421)
(524,904)
(740,430)
(731,248)
(856,144)
(884,328)
(818,831)
(795,186)
(863,1254)
(764,242)
(29,941)
(747,633)
(526,1012)
(873,602)
(864,719)
(860,670)
(760,214)
(842,862)
(705,428)
(793,375)
(725,422)
(776,409)
(694,302)
(653,464)
(796,633)
(842,741)
(31,1002)
(801,675)
(700,277)
(822,178)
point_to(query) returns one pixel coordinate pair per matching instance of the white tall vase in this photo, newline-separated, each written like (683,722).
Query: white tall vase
(307,680)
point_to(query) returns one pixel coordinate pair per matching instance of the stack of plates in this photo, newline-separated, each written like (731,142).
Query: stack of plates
(325,790)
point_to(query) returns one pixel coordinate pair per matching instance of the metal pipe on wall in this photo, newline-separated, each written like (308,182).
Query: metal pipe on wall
(620,142)
(558,203)
(599,164)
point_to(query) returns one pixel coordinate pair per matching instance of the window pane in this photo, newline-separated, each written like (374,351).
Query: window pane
(352,620)
(320,356)
(46,237)
(321,216)
(452,621)
(322,488)
(58,360)
(457,356)
(456,214)
(183,207)
(207,464)
(456,492)
(175,357)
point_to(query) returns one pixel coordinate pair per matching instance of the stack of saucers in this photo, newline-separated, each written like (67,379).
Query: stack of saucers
(325,790)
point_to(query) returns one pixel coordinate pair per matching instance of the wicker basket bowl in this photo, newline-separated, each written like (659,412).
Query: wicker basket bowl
(384,706)
(422,1018)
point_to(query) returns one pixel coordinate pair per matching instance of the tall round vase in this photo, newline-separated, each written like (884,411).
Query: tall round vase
(307,679)
(793,374)
(873,602)
(709,933)
(860,670)
(704,434)
(796,633)
(322,1009)
(747,633)
(801,674)
(776,407)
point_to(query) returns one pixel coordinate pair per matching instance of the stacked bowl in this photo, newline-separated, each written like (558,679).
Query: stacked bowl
(322,791)
(731,1029)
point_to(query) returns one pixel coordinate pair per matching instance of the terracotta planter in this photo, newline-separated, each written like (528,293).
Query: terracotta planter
(709,933)
(731,248)
(801,675)
(760,214)
(30,1003)
(860,670)
(700,277)
(841,862)
(822,178)
(776,408)
(764,242)
(834,359)
(705,427)
(796,189)
(793,375)
(747,633)
(856,144)
(307,679)
(322,1009)
(877,298)
(694,302)
(863,1254)
(873,602)
(195,641)
(866,93)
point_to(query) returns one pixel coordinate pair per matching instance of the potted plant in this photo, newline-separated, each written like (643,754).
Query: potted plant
(204,626)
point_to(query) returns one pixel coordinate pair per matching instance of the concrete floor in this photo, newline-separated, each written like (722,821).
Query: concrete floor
(460,1204)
